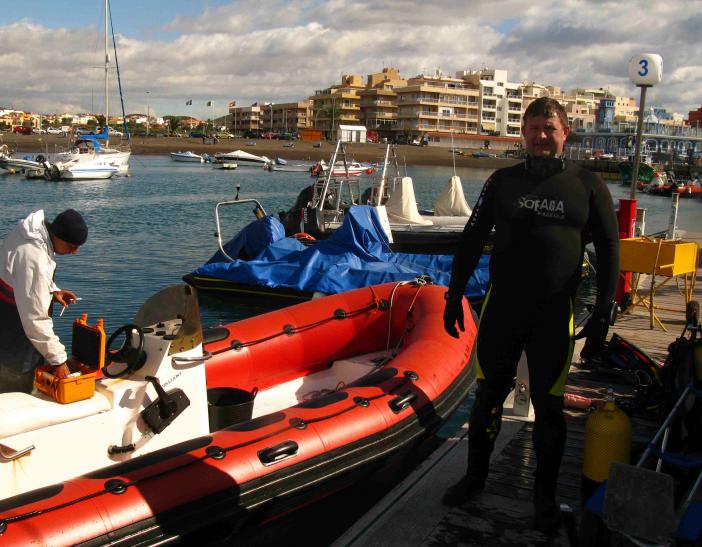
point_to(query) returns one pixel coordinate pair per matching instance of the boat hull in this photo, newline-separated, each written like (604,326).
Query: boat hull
(186,158)
(283,459)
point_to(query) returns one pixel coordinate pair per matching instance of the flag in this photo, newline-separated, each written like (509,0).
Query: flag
(188,102)
(210,103)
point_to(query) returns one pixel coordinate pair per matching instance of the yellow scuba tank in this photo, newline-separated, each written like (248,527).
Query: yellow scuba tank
(607,440)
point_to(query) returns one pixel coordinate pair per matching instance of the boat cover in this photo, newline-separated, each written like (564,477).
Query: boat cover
(355,255)
(402,205)
(243,155)
(451,201)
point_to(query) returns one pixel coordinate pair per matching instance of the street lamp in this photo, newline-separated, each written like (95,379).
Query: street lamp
(147,113)
(645,70)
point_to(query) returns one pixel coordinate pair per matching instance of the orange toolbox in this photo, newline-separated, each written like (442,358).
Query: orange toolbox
(88,357)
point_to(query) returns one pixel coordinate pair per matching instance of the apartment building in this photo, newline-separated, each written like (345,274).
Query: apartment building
(286,117)
(338,104)
(246,118)
(437,104)
(379,101)
(500,101)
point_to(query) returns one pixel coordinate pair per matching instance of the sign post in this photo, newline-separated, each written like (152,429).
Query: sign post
(645,70)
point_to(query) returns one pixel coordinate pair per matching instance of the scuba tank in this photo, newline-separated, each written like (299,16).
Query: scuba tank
(607,440)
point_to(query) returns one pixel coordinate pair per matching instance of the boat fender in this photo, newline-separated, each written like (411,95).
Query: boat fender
(40,158)
(579,402)
(304,236)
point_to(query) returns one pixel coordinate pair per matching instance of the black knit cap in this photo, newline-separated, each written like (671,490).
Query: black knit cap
(70,227)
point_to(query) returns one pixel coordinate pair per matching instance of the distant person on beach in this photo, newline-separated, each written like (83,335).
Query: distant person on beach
(543,211)
(27,293)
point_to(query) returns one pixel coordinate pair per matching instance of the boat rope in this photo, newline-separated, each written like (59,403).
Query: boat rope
(289,330)
(119,81)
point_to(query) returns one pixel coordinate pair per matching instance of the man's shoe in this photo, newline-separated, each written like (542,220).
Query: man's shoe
(468,487)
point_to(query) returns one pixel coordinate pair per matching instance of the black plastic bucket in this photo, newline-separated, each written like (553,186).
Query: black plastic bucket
(228,406)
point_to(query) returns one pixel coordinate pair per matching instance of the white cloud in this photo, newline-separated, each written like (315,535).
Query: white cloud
(275,50)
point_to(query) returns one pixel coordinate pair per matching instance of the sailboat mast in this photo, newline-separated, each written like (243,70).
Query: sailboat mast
(107,69)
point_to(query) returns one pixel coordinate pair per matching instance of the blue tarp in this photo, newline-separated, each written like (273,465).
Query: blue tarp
(356,255)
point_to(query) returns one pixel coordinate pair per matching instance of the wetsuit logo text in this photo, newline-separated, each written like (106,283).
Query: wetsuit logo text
(550,208)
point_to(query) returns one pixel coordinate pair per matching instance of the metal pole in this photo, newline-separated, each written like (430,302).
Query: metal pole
(673,219)
(147,113)
(107,67)
(639,138)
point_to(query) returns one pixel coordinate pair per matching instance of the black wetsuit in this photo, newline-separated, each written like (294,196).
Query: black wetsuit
(542,221)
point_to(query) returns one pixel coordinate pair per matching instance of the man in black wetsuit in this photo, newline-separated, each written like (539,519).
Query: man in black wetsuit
(544,211)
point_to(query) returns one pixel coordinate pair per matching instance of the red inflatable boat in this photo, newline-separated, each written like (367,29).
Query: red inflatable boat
(294,399)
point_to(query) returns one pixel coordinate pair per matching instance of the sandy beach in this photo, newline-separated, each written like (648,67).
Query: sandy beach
(301,150)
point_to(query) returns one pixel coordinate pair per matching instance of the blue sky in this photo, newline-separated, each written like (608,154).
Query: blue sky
(134,18)
(283,50)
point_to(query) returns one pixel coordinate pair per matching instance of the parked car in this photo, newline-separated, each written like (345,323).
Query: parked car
(198,135)
(113,131)
(22,130)
(39,131)
(55,131)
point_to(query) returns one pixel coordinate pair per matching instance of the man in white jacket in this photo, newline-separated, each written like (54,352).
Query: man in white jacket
(27,291)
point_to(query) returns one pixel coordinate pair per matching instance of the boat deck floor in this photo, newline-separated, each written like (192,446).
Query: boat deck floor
(412,514)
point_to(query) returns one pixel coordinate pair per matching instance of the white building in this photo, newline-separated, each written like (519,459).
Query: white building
(351,133)
(500,101)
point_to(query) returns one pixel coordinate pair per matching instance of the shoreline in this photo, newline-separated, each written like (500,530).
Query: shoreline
(301,150)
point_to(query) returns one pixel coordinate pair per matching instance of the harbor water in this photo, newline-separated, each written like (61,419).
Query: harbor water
(149,229)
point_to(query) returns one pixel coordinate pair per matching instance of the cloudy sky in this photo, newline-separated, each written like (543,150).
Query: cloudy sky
(170,51)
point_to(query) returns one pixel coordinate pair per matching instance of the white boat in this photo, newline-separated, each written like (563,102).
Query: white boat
(87,169)
(341,169)
(279,164)
(18,165)
(224,165)
(188,156)
(88,148)
(241,158)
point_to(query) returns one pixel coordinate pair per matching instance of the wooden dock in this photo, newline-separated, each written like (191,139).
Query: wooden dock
(412,514)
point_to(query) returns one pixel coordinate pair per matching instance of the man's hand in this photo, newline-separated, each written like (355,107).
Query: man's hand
(65,298)
(595,334)
(62,371)
(453,315)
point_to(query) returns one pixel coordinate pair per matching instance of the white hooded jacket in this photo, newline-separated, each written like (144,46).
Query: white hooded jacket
(27,264)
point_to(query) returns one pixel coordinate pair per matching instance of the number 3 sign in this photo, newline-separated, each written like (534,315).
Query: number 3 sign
(646,69)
